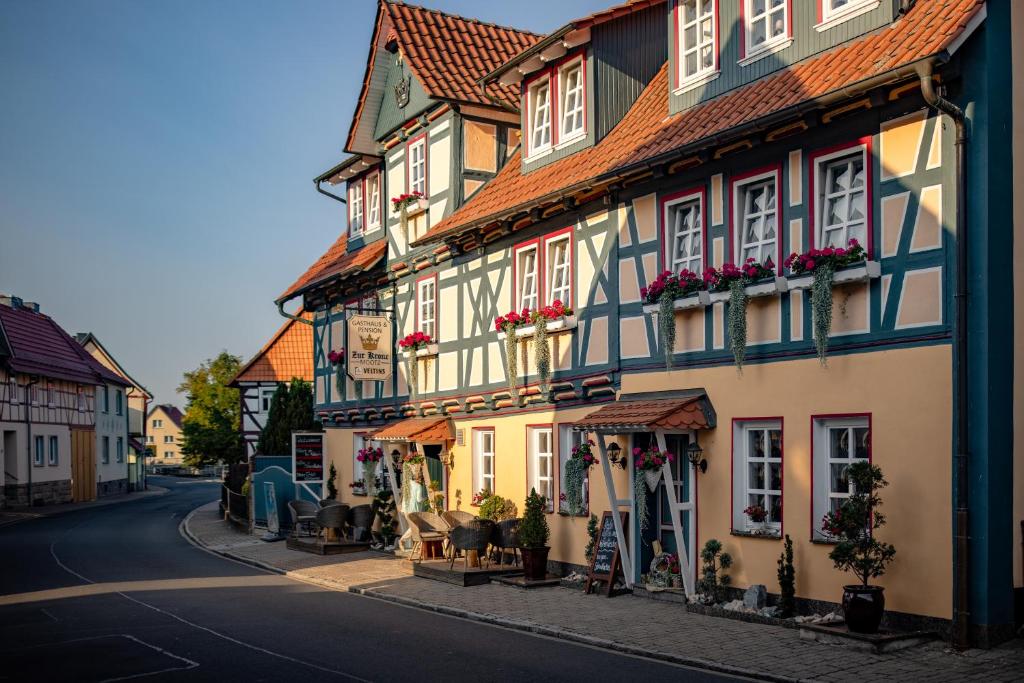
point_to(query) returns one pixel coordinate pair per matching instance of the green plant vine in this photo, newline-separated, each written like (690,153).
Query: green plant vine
(640,496)
(821,308)
(667,326)
(542,352)
(511,363)
(575,475)
(738,322)
(413,371)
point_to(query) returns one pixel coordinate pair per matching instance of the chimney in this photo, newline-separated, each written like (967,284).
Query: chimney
(5,300)
(17,303)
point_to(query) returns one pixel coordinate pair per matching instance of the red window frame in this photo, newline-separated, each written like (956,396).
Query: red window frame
(676,78)
(437,309)
(815,524)
(543,282)
(782,464)
(869,196)
(743,24)
(535,243)
(700,190)
(426,163)
(743,179)
(553,75)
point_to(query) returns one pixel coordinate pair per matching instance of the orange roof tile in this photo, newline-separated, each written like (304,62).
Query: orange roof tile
(647,131)
(417,429)
(337,261)
(288,354)
(692,412)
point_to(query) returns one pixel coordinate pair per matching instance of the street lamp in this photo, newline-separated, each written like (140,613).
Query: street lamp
(694,453)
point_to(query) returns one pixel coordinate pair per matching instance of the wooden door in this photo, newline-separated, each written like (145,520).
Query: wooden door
(83,464)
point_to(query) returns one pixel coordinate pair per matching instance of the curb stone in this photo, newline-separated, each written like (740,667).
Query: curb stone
(513,624)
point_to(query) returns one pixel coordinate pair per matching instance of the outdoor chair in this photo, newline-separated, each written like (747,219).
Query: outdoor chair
(426,527)
(360,520)
(303,514)
(473,535)
(456,517)
(330,501)
(506,536)
(332,517)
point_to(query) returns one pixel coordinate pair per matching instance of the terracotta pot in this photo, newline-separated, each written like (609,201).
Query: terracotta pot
(863,607)
(535,563)
(652,477)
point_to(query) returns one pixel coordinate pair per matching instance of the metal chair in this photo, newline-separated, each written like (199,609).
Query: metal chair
(473,535)
(360,519)
(303,514)
(332,517)
(456,517)
(506,535)
(425,527)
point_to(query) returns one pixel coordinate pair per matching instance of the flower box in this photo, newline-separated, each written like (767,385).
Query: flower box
(417,207)
(563,324)
(868,270)
(427,351)
(692,301)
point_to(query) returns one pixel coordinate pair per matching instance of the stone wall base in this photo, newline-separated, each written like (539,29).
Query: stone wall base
(113,487)
(43,493)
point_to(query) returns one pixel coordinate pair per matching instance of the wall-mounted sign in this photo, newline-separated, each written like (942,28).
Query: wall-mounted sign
(308,457)
(402,92)
(369,353)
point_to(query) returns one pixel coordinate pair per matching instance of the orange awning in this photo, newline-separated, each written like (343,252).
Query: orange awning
(647,412)
(420,429)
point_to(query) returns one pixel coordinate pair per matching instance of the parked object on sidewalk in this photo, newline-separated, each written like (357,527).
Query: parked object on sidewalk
(303,515)
(473,536)
(533,537)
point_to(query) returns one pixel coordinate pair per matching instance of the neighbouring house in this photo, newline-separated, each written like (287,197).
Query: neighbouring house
(163,438)
(285,357)
(57,411)
(684,136)
(136,400)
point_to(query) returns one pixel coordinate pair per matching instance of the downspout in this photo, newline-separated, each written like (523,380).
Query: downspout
(291,316)
(328,194)
(961,540)
(28,428)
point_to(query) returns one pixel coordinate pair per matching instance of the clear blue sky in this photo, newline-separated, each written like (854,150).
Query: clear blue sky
(156,161)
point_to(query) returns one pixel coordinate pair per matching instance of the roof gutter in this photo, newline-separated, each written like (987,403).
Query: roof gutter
(291,316)
(326,193)
(961,446)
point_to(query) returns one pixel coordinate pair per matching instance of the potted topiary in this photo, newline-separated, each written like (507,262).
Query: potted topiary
(857,550)
(533,538)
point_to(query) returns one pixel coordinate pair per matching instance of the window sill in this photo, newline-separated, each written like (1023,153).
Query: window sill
(429,351)
(869,270)
(563,324)
(695,82)
(572,140)
(770,534)
(703,299)
(540,154)
(566,513)
(416,209)
(764,50)
(360,493)
(846,14)
(816,540)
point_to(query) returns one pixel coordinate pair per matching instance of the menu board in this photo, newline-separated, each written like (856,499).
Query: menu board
(308,457)
(606,563)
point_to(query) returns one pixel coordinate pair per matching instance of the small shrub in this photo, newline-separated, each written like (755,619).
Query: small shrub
(713,580)
(533,530)
(592,528)
(787,581)
(332,488)
(858,550)
(497,509)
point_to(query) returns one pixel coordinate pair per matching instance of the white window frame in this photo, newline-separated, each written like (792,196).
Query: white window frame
(54,453)
(418,166)
(771,43)
(80,400)
(519,254)
(119,450)
(371,198)
(702,73)
(567,439)
(355,208)
(39,455)
(118,402)
(168,454)
(168,438)
(742,459)
(740,189)
(106,399)
(48,394)
(105,450)
(822,494)
(832,17)
(427,323)
(567,135)
(482,481)
(554,266)
(538,457)
(821,196)
(670,220)
(158,424)
(266,396)
(533,106)
(15,398)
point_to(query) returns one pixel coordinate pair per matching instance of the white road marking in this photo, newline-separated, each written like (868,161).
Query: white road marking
(49,615)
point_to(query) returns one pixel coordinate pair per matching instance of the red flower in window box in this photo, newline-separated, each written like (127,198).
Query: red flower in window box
(415,341)
(405,200)
(837,257)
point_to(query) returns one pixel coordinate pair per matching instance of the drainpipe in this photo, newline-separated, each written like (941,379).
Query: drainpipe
(292,316)
(328,194)
(32,381)
(961,541)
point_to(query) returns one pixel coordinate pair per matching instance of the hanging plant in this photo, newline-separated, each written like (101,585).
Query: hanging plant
(508,324)
(369,457)
(664,291)
(401,204)
(734,280)
(823,263)
(541,350)
(411,343)
(648,463)
(337,360)
(640,495)
(576,468)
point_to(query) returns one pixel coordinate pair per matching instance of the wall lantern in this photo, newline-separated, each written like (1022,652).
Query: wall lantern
(615,456)
(448,459)
(396,455)
(694,453)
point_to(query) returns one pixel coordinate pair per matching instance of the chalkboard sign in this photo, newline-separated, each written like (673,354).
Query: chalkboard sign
(606,563)
(307,457)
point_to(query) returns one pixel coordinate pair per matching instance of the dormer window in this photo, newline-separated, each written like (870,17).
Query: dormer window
(417,156)
(539,100)
(372,201)
(833,12)
(527,286)
(355,208)
(766,27)
(573,106)
(696,40)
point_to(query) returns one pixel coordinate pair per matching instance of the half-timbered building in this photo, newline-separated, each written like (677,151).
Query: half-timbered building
(685,135)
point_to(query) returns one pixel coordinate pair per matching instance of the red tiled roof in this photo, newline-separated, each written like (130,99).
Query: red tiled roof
(647,130)
(338,261)
(680,413)
(417,429)
(288,354)
(39,346)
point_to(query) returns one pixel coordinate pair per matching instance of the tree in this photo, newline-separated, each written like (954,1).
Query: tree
(291,409)
(210,431)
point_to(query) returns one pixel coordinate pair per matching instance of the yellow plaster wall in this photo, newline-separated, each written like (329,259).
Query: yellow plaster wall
(909,394)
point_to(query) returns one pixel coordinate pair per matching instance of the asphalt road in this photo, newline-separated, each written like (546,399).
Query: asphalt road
(116,593)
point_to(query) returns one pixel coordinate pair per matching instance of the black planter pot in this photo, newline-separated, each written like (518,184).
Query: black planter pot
(863,607)
(535,563)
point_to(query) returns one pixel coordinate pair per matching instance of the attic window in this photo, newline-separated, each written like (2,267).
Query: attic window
(696,41)
(573,106)
(539,124)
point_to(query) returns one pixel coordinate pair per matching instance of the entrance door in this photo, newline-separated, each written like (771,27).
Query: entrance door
(682,481)
(432,453)
(83,464)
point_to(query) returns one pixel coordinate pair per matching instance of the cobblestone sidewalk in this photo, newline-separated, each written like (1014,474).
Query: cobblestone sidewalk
(626,623)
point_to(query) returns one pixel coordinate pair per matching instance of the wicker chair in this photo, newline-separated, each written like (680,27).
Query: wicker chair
(456,517)
(473,535)
(330,501)
(506,536)
(303,514)
(332,517)
(360,519)
(426,527)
